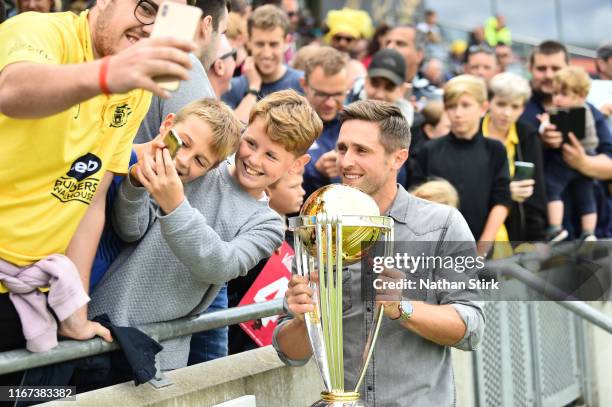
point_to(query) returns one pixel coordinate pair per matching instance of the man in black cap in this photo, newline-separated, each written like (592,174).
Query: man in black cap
(386,81)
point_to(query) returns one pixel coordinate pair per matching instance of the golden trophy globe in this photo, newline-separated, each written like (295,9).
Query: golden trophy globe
(337,226)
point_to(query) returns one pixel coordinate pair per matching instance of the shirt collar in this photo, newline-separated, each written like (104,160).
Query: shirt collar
(400,206)
(85,35)
(511,138)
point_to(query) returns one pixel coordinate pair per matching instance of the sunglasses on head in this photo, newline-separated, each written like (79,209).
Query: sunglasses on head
(480,49)
(233,53)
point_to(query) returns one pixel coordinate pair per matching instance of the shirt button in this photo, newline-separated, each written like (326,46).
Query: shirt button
(370,388)
(369,309)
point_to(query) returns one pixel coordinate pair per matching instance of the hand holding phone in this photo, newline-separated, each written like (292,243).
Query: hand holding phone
(175,20)
(173,142)
(569,119)
(523,170)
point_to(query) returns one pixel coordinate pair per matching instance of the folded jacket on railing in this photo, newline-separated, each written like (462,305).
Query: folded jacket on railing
(66,295)
(138,348)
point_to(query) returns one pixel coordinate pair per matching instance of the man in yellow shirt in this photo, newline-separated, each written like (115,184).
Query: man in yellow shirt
(73,91)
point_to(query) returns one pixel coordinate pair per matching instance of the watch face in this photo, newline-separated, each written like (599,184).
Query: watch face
(406,309)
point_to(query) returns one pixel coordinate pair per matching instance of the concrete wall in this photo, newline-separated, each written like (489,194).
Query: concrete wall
(463,372)
(599,347)
(258,372)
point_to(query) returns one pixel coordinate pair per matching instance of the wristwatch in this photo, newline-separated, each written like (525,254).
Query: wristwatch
(405,309)
(252,91)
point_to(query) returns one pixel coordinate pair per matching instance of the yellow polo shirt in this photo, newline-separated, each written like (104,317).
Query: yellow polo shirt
(511,144)
(51,167)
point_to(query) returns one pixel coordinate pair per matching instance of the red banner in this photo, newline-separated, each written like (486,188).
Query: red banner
(271,283)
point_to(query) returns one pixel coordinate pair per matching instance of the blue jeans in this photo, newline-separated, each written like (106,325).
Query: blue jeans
(212,344)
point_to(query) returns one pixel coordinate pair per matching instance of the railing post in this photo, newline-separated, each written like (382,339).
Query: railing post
(160,380)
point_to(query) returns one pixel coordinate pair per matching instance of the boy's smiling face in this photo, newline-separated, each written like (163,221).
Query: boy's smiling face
(196,157)
(259,161)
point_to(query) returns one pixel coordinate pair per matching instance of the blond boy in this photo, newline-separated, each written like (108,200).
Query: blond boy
(476,166)
(187,249)
(209,132)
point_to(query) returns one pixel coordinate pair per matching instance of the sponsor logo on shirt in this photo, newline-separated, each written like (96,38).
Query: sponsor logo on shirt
(79,184)
(120,116)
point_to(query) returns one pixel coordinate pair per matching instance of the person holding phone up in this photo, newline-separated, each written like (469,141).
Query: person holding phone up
(73,91)
(571,116)
(508,95)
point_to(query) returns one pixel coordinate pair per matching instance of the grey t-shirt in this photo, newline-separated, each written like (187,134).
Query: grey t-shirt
(197,87)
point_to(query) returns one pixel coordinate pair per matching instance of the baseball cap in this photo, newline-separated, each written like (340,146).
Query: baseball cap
(389,64)
(605,51)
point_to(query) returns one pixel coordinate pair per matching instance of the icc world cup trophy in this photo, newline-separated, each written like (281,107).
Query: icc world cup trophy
(336,227)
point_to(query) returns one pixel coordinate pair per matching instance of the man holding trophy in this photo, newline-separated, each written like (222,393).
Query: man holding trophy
(336,316)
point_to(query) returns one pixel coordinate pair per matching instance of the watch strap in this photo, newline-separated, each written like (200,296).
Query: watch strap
(252,91)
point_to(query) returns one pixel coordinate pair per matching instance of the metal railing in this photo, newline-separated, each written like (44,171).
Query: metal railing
(517,267)
(17,360)
(524,266)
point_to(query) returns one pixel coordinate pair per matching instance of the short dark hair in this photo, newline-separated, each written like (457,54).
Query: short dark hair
(549,47)
(420,38)
(394,128)
(213,8)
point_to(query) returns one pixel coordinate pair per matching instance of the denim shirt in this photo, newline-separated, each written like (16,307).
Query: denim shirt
(406,369)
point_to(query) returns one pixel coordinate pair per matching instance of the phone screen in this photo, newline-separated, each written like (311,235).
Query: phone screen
(173,142)
(523,170)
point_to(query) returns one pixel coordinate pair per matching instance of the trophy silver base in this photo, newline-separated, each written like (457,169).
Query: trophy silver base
(339,400)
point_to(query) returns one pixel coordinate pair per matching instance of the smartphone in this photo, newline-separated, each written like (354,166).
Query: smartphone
(523,170)
(175,20)
(572,119)
(173,142)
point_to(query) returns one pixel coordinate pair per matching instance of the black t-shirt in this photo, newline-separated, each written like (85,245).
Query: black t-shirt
(477,168)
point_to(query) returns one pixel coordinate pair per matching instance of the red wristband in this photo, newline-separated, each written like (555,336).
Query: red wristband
(103,75)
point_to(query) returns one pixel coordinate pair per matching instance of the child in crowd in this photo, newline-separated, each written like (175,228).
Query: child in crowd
(508,94)
(476,166)
(286,196)
(435,125)
(437,190)
(571,86)
(193,124)
(191,239)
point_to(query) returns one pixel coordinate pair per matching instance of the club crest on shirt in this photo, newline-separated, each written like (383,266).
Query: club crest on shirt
(79,183)
(120,116)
